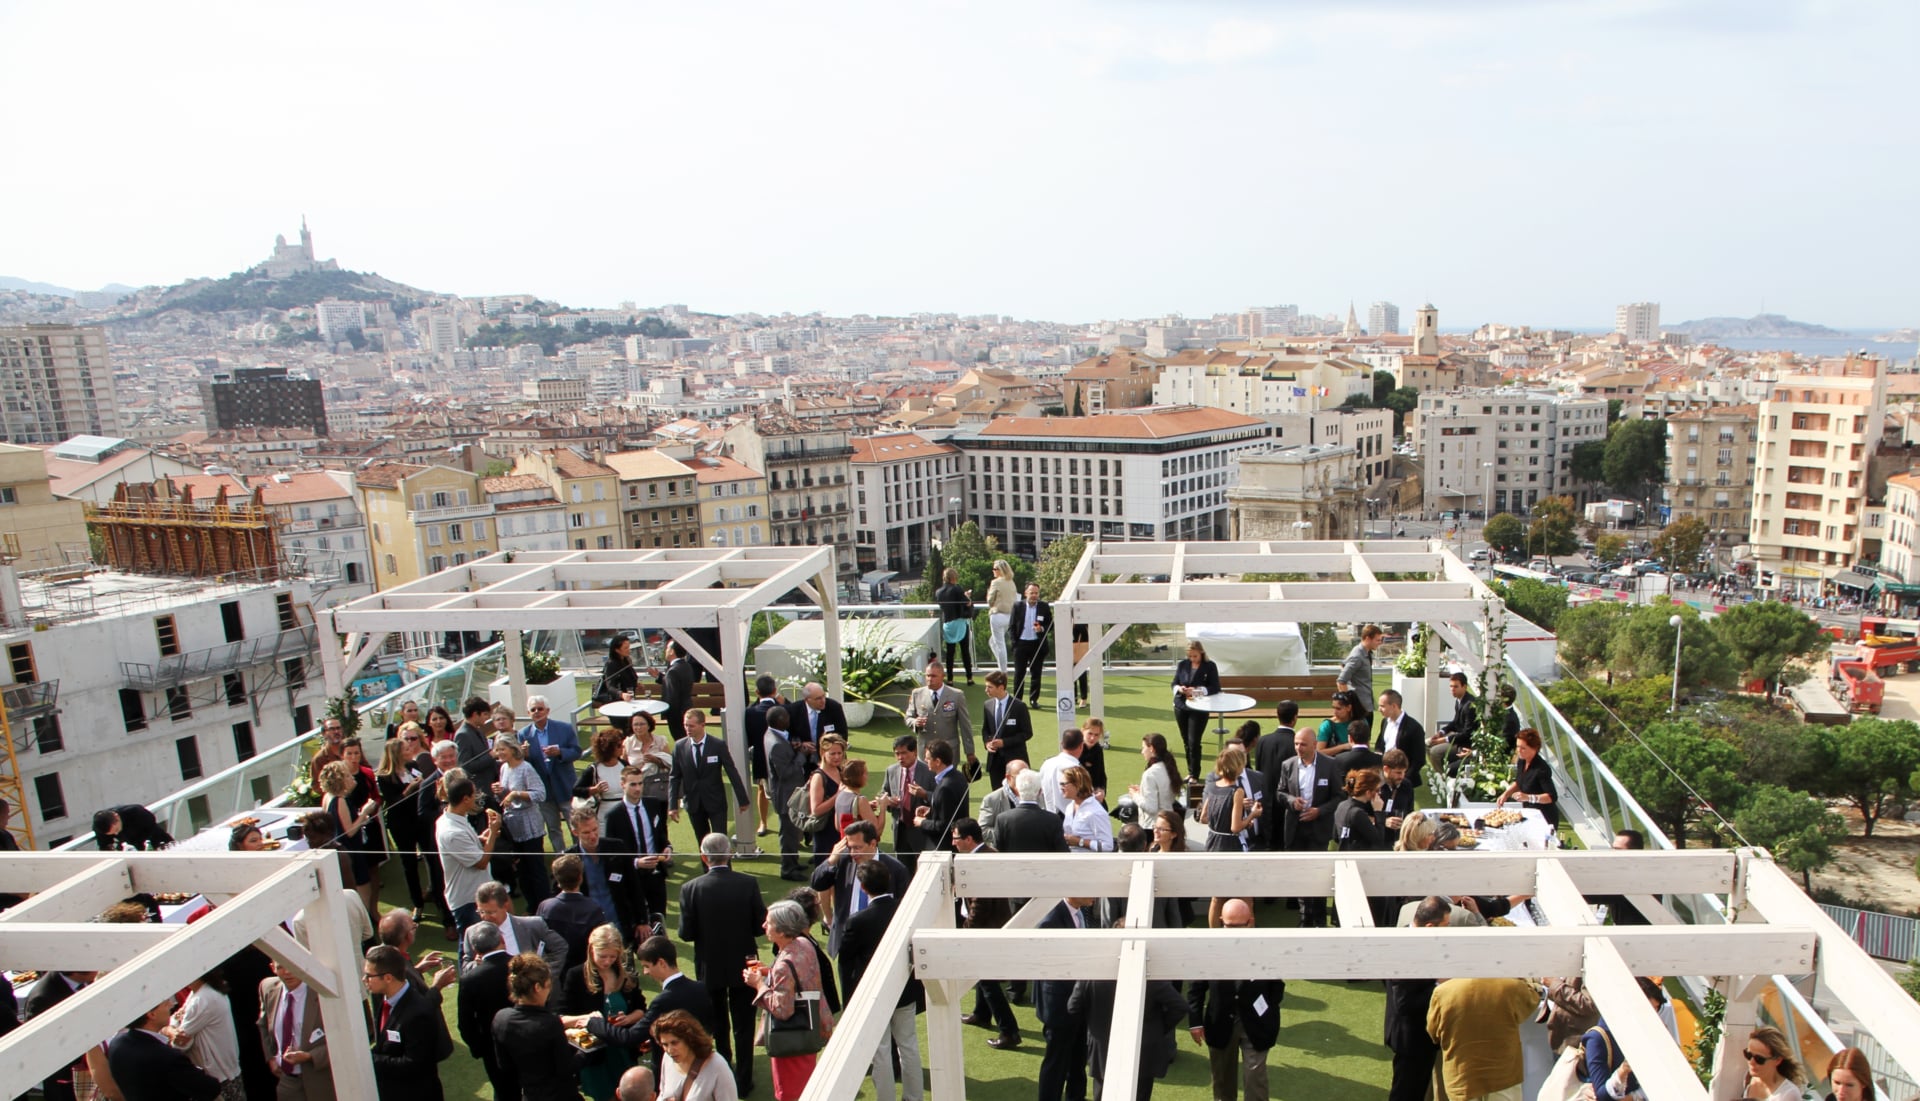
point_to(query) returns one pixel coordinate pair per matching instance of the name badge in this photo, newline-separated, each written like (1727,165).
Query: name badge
(1323,781)
(316,1037)
(613,877)
(393,1036)
(713,758)
(827,728)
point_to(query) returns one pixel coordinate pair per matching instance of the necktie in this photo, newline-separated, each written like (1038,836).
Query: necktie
(859,897)
(287,1008)
(1079,919)
(386,1008)
(1030,613)
(999,714)
(813,723)
(633,819)
(642,831)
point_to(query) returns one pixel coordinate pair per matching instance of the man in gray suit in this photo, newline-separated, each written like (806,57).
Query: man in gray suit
(520,934)
(907,787)
(1001,799)
(291,1035)
(787,762)
(939,710)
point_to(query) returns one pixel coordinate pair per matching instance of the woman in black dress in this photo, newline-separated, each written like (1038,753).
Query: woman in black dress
(1194,677)
(619,680)
(1534,784)
(528,1038)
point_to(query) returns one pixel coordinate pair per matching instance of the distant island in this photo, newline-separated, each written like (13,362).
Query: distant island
(1899,336)
(1757,327)
(10,283)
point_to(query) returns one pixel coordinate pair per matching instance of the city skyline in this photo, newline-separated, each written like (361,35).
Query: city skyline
(1713,157)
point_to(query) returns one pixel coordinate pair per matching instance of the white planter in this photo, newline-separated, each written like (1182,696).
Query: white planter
(859,713)
(563,694)
(1413,694)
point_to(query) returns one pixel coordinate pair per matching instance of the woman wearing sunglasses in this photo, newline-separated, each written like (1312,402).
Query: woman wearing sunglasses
(1772,1075)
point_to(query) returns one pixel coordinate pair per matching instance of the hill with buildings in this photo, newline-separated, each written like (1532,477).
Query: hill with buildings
(1743,328)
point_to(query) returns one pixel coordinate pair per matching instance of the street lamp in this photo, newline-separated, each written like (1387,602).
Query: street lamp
(1673,704)
(1300,527)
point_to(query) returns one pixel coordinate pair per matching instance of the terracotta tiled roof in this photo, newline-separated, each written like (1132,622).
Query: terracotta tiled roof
(386,475)
(1128,426)
(895,446)
(512,483)
(718,468)
(301,488)
(572,464)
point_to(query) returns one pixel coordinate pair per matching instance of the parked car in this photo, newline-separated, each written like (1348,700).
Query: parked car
(1645,566)
(1479,555)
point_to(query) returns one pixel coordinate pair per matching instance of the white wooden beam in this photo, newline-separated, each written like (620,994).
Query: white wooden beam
(65,946)
(1350,896)
(338,986)
(79,897)
(1140,896)
(1029,915)
(1302,953)
(151,872)
(1559,899)
(1122,1071)
(279,945)
(1656,1060)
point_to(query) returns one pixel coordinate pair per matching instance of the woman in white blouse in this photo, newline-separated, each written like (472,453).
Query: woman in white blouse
(1000,599)
(203,1028)
(1087,826)
(1160,786)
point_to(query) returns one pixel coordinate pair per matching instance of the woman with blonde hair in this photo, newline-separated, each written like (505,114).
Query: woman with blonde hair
(603,988)
(1228,813)
(337,781)
(1000,601)
(404,766)
(1087,825)
(1772,1072)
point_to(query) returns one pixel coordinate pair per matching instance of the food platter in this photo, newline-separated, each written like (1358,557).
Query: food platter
(581,1039)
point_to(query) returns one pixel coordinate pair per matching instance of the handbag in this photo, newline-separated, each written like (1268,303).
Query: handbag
(799,1034)
(800,812)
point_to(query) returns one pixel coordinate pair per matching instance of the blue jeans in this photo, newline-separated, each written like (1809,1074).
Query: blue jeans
(464,918)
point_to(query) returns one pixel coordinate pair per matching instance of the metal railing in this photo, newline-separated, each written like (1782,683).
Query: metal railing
(261,779)
(229,657)
(1882,936)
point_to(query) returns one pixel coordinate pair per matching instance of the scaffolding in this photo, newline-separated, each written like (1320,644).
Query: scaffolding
(156,528)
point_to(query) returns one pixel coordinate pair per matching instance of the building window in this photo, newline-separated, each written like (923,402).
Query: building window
(20,661)
(230,623)
(296,672)
(52,800)
(133,710)
(7,496)
(456,534)
(188,749)
(179,704)
(167,635)
(235,687)
(243,740)
(46,734)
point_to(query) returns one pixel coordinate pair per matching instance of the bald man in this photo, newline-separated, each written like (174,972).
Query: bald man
(635,1085)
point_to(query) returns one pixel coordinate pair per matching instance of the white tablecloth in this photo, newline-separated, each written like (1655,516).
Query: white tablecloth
(1530,833)
(274,823)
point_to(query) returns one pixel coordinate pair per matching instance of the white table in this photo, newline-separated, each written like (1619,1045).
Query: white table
(1221,704)
(627,709)
(1531,833)
(274,824)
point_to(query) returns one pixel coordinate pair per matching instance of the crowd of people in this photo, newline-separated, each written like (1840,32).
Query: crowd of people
(549,865)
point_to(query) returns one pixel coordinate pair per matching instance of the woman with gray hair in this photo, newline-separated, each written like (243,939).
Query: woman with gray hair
(792,985)
(521,791)
(1000,598)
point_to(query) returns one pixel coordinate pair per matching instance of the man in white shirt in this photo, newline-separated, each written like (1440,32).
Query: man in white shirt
(1071,746)
(464,854)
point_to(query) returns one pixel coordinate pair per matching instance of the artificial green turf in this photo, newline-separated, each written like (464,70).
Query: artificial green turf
(1329,1044)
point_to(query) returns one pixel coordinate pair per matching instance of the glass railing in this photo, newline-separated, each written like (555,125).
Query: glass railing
(261,779)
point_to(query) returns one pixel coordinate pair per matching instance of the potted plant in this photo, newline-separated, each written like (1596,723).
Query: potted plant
(544,674)
(1410,673)
(872,664)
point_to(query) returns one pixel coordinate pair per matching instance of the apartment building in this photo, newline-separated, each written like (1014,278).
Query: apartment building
(1383,319)
(1900,545)
(55,383)
(264,397)
(808,471)
(43,530)
(527,516)
(1260,383)
(733,502)
(1149,476)
(1121,379)
(422,519)
(589,489)
(1503,450)
(323,530)
(1639,322)
(907,493)
(659,501)
(1710,468)
(122,688)
(1817,433)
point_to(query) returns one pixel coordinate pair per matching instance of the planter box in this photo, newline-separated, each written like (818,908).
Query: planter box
(859,712)
(1413,693)
(563,694)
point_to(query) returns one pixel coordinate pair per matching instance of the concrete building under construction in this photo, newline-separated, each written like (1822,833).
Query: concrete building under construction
(159,528)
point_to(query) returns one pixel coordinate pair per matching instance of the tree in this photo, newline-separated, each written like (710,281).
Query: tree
(1079,407)
(1775,747)
(1669,765)
(1590,705)
(1534,601)
(1056,565)
(1798,829)
(1585,631)
(1873,764)
(1643,646)
(1383,384)
(1764,637)
(1553,531)
(1678,545)
(1636,455)
(1614,405)
(1587,461)
(497,468)
(971,555)
(1402,401)
(1610,547)
(1506,533)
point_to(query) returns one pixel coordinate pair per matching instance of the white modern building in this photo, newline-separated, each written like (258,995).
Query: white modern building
(1491,451)
(907,493)
(335,318)
(323,531)
(1383,318)
(122,688)
(55,383)
(1260,383)
(1639,322)
(1142,475)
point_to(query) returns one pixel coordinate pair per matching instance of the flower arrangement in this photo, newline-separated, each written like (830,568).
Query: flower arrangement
(302,791)
(542,666)
(1412,661)
(871,664)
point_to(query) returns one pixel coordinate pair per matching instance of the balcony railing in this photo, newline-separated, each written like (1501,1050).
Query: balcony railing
(179,669)
(32,700)
(450,512)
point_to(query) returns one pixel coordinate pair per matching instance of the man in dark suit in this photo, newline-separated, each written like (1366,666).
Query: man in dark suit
(148,1068)
(722,916)
(859,843)
(474,740)
(1359,752)
(766,701)
(699,763)
(676,688)
(129,826)
(53,988)
(1269,754)
(1401,731)
(814,714)
(1006,727)
(1063,1068)
(609,878)
(1027,632)
(857,945)
(569,912)
(788,760)
(1453,742)
(903,794)
(1237,1020)
(637,827)
(1414,1049)
(990,1008)
(660,961)
(949,801)
(1030,827)
(407,1031)
(483,993)
(1308,789)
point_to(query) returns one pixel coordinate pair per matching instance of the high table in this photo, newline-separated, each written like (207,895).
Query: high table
(1530,833)
(1221,704)
(627,709)
(274,824)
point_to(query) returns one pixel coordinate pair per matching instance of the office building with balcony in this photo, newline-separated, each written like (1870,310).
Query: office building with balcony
(264,397)
(808,475)
(122,688)
(733,502)
(1158,474)
(1710,454)
(55,383)
(659,498)
(1817,435)
(908,492)
(422,519)
(588,488)
(1490,451)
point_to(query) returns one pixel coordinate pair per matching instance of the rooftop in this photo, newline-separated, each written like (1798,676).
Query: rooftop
(109,594)
(647,463)
(895,446)
(1151,425)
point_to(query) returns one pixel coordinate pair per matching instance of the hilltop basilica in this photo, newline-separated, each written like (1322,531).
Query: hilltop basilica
(294,259)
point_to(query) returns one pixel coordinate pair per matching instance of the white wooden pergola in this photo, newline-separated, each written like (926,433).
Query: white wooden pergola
(671,590)
(1778,931)
(1108,592)
(140,965)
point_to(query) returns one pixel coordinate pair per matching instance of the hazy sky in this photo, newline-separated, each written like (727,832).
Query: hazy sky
(1513,160)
